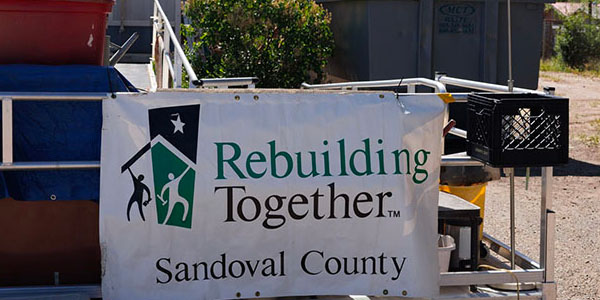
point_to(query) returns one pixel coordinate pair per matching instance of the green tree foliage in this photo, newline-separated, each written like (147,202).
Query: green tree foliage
(578,41)
(282,42)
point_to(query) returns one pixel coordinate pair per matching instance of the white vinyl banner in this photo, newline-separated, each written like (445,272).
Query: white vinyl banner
(224,195)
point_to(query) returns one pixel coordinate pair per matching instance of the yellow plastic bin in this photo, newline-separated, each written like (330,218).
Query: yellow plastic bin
(473,193)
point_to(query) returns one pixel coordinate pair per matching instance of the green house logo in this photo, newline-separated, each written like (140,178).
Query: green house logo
(173,149)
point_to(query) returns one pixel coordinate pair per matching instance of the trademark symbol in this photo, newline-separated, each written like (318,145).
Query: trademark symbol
(394,213)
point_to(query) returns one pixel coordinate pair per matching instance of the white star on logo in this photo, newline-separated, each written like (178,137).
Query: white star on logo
(178,124)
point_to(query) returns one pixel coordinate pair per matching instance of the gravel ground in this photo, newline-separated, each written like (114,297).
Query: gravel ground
(576,196)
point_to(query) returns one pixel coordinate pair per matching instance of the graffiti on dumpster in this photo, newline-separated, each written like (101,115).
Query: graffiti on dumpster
(456,18)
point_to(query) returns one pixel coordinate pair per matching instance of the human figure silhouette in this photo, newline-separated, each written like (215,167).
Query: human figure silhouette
(138,194)
(174,197)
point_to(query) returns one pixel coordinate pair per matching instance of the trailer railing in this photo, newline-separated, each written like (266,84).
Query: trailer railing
(170,60)
(7,131)
(478,85)
(410,83)
(168,65)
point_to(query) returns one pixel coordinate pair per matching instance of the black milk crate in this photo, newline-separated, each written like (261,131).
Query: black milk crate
(518,130)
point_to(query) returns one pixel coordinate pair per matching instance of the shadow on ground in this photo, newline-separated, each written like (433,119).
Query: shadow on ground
(572,168)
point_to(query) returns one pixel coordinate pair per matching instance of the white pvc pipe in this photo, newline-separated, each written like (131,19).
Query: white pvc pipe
(439,88)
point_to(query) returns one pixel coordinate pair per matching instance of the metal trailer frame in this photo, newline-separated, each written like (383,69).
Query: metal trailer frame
(453,285)
(169,61)
(542,273)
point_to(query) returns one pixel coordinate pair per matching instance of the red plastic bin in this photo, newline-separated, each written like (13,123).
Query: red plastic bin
(51,32)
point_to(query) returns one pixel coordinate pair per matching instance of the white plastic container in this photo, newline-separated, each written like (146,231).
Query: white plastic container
(445,247)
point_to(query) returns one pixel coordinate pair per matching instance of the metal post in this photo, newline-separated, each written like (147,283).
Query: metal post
(546,232)
(549,285)
(446,120)
(7,131)
(106,57)
(154,32)
(547,229)
(166,56)
(547,236)
(512,170)
(158,52)
(177,77)
(512,218)
(510,77)
(550,230)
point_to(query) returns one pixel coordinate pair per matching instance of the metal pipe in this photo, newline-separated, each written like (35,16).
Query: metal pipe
(92,291)
(458,132)
(165,61)
(225,82)
(446,120)
(49,165)
(169,70)
(547,227)
(490,87)
(459,161)
(107,46)
(511,83)
(177,77)
(55,96)
(550,229)
(546,231)
(447,160)
(123,49)
(154,20)
(7,130)
(512,218)
(437,86)
(460,97)
(177,46)
(489,277)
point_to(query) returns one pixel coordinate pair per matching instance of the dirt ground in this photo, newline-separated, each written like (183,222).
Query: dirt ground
(576,195)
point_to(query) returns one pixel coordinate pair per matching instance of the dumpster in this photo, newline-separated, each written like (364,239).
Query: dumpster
(53,32)
(377,40)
